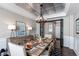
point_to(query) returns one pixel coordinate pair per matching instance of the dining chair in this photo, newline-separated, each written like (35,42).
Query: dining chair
(16,50)
(51,48)
(49,51)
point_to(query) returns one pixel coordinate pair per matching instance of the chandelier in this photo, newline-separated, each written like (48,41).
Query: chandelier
(41,18)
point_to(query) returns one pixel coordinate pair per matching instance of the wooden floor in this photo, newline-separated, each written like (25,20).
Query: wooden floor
(65,50)
(68,52)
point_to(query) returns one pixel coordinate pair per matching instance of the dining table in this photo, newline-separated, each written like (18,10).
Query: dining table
(38,47)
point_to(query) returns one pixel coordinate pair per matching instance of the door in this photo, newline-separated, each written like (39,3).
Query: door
(59,32)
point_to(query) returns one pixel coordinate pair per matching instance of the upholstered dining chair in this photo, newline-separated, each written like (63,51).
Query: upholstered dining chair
(16,50)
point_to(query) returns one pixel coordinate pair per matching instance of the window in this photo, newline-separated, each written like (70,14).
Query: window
(50,27)
(77,26)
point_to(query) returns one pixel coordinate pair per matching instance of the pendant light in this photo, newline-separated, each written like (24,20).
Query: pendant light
(41,18)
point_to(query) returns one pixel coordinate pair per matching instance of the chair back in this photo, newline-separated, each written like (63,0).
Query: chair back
(16,50)
(51,48)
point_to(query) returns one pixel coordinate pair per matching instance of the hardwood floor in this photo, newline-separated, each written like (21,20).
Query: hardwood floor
(68,52)
(65,50)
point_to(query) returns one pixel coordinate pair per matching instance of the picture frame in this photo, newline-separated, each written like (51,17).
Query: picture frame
(77,26)
(20,28)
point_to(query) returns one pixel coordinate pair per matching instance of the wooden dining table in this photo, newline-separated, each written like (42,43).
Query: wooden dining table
(39,48)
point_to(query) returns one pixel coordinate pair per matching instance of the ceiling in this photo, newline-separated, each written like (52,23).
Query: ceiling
(27,7)
(48,8)
(32,10)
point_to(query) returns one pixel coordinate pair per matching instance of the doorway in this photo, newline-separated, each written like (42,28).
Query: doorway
(59,32)
(55,30)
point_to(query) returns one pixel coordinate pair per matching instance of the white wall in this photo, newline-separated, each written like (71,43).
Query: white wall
(68,31)
(74,10)
(71,39)
(8,18)
(76,36)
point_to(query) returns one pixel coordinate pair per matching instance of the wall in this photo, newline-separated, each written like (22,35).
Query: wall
(76,36)
(8,18)
(68,31)
(71,39)
(74,10)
